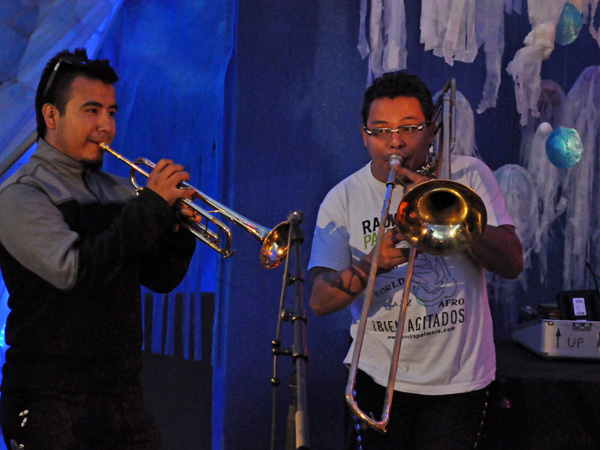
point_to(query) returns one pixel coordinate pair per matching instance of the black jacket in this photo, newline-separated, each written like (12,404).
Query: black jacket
(75,246)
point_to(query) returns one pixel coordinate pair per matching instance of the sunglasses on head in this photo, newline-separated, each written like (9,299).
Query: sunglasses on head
(61,61)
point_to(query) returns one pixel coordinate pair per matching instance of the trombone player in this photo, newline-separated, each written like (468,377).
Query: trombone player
(447,360)
(76,243)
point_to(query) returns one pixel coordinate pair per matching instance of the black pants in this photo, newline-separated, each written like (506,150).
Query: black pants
(78,421)
(423,422)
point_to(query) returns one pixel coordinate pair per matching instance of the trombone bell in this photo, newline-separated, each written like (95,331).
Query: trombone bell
(441,217)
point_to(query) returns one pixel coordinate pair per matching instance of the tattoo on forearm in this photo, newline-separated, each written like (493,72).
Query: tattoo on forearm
(359,271)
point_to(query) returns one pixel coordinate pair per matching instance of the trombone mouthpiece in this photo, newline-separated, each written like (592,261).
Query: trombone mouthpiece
(396,160)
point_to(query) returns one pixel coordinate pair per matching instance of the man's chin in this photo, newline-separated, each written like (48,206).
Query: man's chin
(92,165)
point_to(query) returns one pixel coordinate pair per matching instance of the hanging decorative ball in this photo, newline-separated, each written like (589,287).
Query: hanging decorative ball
(564,147)
(569,24)
(545,128)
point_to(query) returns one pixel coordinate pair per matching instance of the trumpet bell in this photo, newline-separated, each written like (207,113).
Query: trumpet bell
(441,217)
(275,246)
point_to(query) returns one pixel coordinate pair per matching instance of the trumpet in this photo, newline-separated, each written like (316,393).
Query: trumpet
(440,217)
(274,242)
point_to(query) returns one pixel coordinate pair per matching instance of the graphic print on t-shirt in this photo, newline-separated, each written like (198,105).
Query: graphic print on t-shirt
(432,281)
(432,305)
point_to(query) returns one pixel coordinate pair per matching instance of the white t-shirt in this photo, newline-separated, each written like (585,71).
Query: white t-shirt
(447,342)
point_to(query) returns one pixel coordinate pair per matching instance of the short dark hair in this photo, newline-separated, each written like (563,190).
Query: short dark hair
(398,84)
(72,65)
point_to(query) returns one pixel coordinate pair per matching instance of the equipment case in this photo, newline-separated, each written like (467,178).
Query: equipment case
(560,338)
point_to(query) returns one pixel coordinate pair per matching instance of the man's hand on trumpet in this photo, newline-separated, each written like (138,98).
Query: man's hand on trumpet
(186,212)
(166,178)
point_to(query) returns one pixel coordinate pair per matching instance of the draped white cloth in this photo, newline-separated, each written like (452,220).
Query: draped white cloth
(550,201)
(588,10)
(386,46)
(547,178)
(448,28)
(465,122)
(30,34)
(452,29)
(582,229)
(513,5)
(518,189)
(539,43)
(490,35)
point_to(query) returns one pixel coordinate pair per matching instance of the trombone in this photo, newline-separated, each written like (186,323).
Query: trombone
(440,217)
(274,241)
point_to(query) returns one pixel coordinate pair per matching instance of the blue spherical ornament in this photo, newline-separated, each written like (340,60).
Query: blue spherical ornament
(569,24)
(564,147)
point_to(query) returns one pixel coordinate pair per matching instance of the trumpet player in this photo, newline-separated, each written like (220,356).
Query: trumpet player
(447,360)
(73,254)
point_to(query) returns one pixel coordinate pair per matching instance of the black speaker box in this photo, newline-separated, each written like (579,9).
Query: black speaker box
(579,305)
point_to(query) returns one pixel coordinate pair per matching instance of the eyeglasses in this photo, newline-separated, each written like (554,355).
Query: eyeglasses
(71,61)
(405,131)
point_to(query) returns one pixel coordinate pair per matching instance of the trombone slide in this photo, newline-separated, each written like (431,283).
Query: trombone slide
(381,424)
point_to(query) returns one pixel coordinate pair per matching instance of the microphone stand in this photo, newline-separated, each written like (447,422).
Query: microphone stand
(297,424)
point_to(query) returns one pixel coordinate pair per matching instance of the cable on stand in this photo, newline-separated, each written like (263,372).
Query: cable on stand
(297,424)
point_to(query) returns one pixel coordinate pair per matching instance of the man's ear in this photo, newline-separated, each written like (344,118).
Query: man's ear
(50,114)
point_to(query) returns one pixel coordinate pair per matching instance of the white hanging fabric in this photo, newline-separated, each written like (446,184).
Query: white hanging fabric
(550,202)
(539,43)
(550,106)
(490,35)
(517,185)
(455,29)
(376,35)
(588,11)
(465,122)
(448,28)
(513,5)
(363,45)
(582,235)
(394,22)
(518,189)
(386,46)
(452,29)
(547,178)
